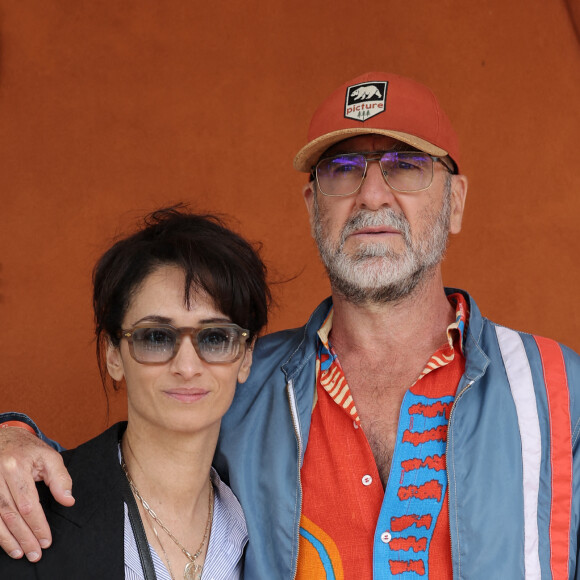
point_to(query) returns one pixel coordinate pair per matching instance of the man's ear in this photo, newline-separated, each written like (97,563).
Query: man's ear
(308,192)
(458,195)
(115,362)
(244,369)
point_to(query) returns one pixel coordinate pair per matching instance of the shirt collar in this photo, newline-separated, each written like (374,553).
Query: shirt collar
(455,331)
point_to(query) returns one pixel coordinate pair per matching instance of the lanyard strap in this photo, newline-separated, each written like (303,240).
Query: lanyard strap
(138,530)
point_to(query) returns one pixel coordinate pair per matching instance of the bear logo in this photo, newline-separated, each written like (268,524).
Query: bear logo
(366,92)
(365,100)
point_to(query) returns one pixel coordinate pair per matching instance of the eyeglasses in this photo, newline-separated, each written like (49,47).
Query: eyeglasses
(404,171)
(213,343)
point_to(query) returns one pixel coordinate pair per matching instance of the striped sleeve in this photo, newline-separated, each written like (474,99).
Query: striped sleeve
(555,382)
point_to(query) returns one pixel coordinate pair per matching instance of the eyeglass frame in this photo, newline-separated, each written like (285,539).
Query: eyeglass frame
(376,156)
(193,332)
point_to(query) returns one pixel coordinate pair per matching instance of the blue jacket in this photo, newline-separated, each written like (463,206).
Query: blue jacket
(512,453)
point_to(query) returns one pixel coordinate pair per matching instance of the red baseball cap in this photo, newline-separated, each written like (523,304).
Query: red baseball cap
(385,104)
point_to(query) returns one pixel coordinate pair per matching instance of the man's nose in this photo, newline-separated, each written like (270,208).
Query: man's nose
(375,192)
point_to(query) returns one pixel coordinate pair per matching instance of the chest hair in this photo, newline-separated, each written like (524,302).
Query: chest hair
(378,390)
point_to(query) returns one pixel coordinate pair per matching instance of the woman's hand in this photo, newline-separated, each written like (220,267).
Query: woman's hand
(25,459)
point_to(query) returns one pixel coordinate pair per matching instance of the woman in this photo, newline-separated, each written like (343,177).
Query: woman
(177,308)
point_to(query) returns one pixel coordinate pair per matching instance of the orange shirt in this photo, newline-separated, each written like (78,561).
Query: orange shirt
(352,528)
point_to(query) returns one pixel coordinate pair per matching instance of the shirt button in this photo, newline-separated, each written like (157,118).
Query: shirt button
(386,537)
(367,480)
(354,425)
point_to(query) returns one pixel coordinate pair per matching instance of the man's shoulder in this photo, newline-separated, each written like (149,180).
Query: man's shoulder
(273,352)
(548,349)
(479,325)
(550,366)
(280,337)
(280,347)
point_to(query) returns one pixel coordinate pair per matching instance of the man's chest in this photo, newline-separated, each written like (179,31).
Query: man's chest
(378,391)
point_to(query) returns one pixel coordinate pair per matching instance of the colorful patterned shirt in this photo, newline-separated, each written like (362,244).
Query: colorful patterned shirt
(352,528)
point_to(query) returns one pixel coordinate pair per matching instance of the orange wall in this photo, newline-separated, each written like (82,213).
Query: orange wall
(110,109)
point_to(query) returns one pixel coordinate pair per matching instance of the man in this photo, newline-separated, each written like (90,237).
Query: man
(399,434)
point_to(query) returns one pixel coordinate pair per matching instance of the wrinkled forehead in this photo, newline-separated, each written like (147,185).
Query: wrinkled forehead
(366,143)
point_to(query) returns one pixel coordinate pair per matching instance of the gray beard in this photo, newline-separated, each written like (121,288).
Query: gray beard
(376,273)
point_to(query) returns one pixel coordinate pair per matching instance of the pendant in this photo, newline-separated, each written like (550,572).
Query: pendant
(192,571)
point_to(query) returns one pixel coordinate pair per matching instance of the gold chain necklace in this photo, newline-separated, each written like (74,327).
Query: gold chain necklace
(152,525)
(192,570)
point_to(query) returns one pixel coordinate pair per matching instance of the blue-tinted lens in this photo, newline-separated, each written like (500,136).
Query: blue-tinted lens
(340,175)
(154,344)
(219,344)
(407,171)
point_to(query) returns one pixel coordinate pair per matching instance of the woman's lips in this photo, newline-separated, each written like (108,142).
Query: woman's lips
(186,395)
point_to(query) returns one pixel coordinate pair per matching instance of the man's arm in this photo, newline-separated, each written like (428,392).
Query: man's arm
(14,419)
(24,459)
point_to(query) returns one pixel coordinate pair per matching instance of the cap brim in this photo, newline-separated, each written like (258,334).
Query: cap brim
(310,153)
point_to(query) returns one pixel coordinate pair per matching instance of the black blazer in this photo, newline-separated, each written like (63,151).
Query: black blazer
(88,538)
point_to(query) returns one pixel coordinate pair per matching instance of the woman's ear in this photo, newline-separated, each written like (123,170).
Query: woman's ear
(115,362)
(244,369)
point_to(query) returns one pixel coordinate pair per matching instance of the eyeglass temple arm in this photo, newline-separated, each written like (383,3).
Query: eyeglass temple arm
(451,167)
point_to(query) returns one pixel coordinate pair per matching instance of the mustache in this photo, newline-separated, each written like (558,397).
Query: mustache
(383,217)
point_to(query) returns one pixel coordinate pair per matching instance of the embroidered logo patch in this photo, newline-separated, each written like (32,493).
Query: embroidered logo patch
(365,100)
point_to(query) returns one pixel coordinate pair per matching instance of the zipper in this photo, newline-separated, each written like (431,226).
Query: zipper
(467,386)
(295,423)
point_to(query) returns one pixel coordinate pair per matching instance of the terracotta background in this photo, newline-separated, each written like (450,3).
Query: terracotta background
(111,109)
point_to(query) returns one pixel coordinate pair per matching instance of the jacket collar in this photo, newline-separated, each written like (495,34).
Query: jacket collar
(476,361)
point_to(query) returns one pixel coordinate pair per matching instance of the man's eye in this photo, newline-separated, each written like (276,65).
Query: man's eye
(408,166)
(409,162)
(344,168)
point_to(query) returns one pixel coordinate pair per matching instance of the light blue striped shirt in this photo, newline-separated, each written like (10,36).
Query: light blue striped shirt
(228,538)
